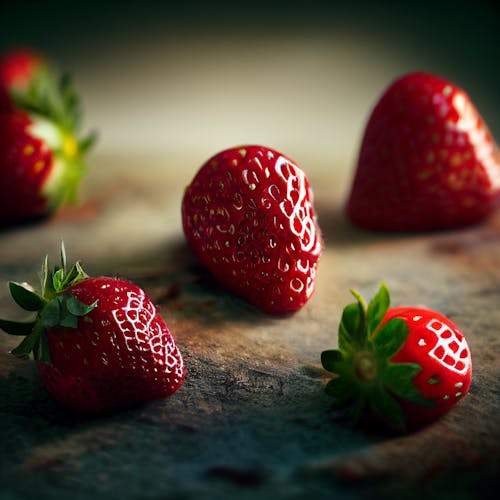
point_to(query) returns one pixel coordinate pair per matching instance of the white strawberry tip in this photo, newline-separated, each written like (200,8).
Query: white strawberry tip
(61,184)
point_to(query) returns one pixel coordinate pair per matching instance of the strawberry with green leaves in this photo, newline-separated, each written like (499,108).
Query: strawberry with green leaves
(100,344)
(406,365)
(427,160)
(42,157)
(248,215)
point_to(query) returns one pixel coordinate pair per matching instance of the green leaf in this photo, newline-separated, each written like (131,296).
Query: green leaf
(44,275)
(77,307)
(26,297)
(69,277)
(398,378)
(63,257)
(70,102)
(26,349)
(81,272)
(390,338)
(66,319)
(51,96)
(388,408)
(16,327)
(51,314)
(360,299)
(331,360)
(42,346)
(75,274)
(64,311)
(377,308)
(34,346)
(87,142)
(350,325)
(342,390)
(57,279)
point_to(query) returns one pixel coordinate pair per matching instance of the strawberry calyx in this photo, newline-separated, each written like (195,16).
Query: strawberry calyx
(53,308)
(367,379)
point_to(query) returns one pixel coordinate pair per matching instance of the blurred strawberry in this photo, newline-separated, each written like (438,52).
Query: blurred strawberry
(41,155)
(427,160)
(18,69)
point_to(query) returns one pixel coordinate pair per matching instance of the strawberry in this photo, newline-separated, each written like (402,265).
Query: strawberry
(100,344)
(41,158)
(18,69)
(248,215)
(427,160)
(406,365)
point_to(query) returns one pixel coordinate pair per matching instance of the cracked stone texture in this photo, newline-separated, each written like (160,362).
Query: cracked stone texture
(252,419)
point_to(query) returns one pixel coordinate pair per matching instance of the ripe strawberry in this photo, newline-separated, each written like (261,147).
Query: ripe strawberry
(100,343)
(248,216)
(406,365)
(427,160)
(18,68)
(41,159)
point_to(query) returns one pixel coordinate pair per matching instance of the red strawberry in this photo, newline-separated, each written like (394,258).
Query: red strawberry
(18,68)
(427,160)
(248,216)
(41,160)
(407,365)
(100,343)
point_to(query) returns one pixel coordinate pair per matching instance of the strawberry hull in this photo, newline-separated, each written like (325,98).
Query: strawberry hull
(248,216)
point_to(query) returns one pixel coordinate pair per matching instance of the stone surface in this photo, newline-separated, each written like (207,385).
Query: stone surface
(252,419)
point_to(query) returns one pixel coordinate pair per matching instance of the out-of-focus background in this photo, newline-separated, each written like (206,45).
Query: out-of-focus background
(195,77)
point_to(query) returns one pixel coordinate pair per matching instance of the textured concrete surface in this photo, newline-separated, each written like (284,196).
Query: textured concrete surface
(252,419)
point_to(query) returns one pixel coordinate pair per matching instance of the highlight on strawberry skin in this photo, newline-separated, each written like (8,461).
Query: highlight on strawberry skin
(248,215)
(427,160)
(99,342)
(407,366)
(42,150)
